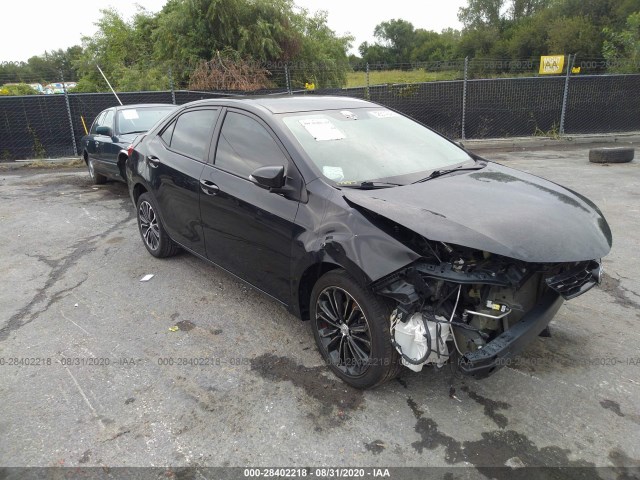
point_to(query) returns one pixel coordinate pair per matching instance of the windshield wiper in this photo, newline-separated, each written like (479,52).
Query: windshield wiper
(439,173)
(369,185)
(135,131)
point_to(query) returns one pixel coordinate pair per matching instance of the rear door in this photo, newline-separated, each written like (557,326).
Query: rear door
(248,230)
(175,159)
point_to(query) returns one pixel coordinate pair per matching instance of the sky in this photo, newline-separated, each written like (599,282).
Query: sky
(28,28)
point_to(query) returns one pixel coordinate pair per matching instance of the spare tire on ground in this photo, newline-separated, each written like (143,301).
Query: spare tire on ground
(611,154)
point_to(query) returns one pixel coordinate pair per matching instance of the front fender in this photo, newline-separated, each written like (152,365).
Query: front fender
(351,239)
(344,237)
(369,256)
(332,234)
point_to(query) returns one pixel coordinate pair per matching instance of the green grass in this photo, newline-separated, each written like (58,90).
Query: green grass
(358,79)
(383,77)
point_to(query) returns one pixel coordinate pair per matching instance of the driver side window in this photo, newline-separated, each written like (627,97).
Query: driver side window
(107,120)
(245,145)
(96,123)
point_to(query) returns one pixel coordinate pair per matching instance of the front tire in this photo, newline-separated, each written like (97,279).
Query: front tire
(351,328)
(96,178)
(153,234)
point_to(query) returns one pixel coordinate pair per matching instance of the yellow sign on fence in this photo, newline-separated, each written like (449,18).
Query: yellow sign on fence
(551,64)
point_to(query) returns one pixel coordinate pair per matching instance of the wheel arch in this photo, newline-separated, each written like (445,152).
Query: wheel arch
(122,164)
(137,190)
(307,281)
(312,274)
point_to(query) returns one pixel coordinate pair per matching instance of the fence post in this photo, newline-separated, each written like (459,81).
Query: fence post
(286,76)
(66,99)
(566,94)
(173,92)
(464,97)
(366,90)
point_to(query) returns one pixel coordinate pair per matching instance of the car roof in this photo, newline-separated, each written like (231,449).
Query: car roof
(289,103)
(144,105)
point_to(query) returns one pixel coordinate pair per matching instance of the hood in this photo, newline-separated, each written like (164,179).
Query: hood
(496,209)
(127,139)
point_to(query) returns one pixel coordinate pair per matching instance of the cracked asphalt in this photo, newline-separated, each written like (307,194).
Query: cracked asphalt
(97,368)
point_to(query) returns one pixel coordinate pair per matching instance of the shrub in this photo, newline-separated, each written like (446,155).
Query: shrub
(17,89)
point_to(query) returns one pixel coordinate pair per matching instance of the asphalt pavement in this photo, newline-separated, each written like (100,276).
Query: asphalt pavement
(194,368)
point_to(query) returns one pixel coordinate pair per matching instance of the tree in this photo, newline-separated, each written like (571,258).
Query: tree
(575,35)
(322,56)
(479,13)
(123,50)
(529,37)
(183,36)
(521,9)
(12,72)
(185,33)
(431,46)
(189,31)
(266,31)
(625,45)
(46,68)
(395,40)
(55,65)
(375,54)
(478,42)
(398,36)
(137,54)
(355,61)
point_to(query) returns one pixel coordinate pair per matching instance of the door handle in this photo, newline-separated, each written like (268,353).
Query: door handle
(208,188)
(153,160)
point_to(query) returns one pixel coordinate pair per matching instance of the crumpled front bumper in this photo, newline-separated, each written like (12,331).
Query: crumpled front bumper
(495,354)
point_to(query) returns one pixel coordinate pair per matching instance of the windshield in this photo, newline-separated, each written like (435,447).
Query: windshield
(140,120)
(372,144)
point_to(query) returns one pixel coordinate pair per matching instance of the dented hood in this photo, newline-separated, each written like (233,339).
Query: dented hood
(496,209)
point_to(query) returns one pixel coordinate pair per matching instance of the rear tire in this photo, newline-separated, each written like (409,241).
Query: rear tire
(96,178)
(351,328)
(153,234)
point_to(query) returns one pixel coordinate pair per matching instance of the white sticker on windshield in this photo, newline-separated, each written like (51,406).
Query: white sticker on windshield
(333,173)
(383,113)
(130,114)
(322,129)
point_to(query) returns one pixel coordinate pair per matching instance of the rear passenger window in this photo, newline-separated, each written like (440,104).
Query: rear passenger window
(192,133)
(245,145)
(168,132)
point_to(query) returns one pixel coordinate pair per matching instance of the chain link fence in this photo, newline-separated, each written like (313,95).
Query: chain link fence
(462,99)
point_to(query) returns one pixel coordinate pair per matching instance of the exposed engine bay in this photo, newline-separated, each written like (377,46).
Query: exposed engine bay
(464,303)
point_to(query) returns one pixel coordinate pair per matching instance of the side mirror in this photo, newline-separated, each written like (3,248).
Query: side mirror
(269,177)
(106,131)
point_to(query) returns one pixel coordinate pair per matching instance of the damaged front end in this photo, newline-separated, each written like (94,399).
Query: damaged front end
(474,306)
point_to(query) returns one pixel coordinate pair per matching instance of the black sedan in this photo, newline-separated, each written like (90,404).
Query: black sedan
(399,246)
(104,149)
